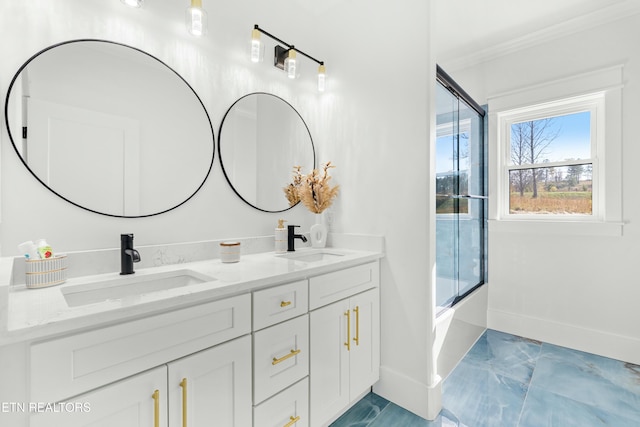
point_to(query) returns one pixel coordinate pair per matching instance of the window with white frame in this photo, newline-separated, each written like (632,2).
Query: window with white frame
(575,166)
(551,159)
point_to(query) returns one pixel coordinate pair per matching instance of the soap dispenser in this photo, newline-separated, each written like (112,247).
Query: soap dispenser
(281,237)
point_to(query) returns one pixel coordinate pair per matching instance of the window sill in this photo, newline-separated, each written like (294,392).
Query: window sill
(568,228)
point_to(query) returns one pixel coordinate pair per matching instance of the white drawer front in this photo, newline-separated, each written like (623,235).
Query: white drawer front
(338,285)
(281,357)
(72,365)
(280,303)
(288,408)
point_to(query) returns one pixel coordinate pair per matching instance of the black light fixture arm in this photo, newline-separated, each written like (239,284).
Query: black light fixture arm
(289,46)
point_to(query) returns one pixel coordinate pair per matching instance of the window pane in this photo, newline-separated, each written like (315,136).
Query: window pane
(554,190)
(554,139)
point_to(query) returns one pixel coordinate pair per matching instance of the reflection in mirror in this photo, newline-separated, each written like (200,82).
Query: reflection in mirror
(261,139)
(109,128)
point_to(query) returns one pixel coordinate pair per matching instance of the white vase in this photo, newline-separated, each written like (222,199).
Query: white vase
(318,232)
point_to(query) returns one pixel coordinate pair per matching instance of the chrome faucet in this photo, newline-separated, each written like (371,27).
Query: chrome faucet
(292,236)
(128,255)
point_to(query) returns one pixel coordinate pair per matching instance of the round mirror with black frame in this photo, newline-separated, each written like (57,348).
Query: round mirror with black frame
(260,140)
(109,128)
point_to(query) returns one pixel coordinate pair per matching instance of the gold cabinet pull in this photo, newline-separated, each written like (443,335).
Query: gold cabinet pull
(357,337)
(348,343)
(285,303)
(156,408)
(292,421)
(285,357)
(183,384)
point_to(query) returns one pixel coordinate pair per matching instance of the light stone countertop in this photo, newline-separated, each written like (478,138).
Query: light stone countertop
(29,314)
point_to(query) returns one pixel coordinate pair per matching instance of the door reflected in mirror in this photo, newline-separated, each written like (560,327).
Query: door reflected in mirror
(261,138)
(110,128)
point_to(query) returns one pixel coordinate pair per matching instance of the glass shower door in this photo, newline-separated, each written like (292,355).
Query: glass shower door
(447,206)
(460,200)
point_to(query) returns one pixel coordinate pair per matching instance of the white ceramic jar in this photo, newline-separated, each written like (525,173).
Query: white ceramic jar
(230,252)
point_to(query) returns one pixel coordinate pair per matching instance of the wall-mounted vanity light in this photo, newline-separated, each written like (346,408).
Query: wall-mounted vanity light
(195,16)
(257,48)
(285,58)
(290,63)
(196,19)
(133,3)
(321,77)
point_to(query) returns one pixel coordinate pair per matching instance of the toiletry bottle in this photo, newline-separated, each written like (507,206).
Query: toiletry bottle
(44,250)
(281,237)
(29,250)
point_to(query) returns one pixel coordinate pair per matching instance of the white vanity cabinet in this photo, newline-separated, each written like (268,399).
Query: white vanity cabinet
(345,341)
(273,354)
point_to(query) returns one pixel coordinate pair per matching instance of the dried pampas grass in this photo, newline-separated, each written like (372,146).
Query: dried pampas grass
(315,192)
(291,190)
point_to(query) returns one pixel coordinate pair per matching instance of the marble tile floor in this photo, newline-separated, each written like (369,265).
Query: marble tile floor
(509,381)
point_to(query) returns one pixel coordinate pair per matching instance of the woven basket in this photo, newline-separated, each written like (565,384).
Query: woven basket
(41,273)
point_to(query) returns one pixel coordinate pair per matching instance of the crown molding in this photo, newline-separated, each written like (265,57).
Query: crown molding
(465,59)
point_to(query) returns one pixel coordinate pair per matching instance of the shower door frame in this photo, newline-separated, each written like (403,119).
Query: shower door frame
(449,84)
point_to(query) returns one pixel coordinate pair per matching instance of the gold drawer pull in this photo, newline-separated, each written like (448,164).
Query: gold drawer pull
(285,303)
(348,343)
(292,422)
(183,384)
(285,357)
(156,408)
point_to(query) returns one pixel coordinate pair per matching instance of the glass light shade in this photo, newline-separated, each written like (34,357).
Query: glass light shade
(256,46)
(290,64)
(133,3)
(196,19)
(322,78)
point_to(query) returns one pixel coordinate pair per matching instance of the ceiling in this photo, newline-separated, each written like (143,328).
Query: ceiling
(470,31)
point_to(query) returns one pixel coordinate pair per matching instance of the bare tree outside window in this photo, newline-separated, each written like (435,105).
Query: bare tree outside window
(529,142)
(545,178)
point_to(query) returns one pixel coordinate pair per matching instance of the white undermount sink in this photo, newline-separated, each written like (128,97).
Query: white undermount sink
(131,286)
(313,255)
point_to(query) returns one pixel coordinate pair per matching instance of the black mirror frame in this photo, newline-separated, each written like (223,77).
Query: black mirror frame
(313,149)
(6,116)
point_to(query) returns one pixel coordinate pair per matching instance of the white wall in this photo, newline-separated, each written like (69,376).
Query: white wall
(581,290)
(373,123)
(218,69)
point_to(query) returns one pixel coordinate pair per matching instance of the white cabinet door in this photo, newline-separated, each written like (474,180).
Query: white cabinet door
(364,356)
(329,364)
(126,403)
(339,373)
(214,385)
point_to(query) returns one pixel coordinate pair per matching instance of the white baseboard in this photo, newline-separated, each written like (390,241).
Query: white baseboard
(590,340)
(412,395)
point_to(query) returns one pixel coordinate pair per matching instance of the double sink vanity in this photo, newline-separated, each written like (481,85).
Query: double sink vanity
(187,340)
(273,340)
